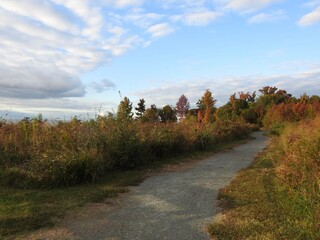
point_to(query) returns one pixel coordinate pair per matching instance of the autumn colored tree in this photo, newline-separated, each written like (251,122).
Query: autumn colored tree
(182,106)
(270,96)
(125,109)
(167,114)
(208,103)
(141,108)
(248,97)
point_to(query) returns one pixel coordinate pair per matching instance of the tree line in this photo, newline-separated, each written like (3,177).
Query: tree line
(249,107)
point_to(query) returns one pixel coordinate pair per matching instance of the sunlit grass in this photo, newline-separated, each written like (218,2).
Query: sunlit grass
(258,205)
(34,153)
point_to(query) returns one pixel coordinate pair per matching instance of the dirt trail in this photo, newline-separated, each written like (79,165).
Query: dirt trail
(173,205)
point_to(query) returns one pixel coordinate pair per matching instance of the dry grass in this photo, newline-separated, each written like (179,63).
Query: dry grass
(34,153)
(256,205)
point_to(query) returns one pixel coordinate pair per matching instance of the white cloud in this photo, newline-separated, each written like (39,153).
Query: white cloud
(55,41)
(124,3)
(312,4)
(119,46)
(103,85)
(36,82)
(91,16)
(223,88)
(40,11)
(248,5)
(141,18)
(267,17)
(183,4)
(310,18)
(160,30)
(201,17)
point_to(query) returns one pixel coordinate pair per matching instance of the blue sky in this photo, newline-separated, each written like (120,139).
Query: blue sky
(72,57)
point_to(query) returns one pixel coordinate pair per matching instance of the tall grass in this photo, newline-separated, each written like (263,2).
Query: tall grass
(299,168)
(35,153)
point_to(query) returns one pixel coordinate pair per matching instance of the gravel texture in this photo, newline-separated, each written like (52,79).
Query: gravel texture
(173,205)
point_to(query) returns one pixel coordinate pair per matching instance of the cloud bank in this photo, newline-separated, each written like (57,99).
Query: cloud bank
(223,88)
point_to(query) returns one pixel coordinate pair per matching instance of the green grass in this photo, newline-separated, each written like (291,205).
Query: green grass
(256,206)
(23,211)
(26,210)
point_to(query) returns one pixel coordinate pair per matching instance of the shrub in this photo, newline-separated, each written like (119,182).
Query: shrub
(34,153)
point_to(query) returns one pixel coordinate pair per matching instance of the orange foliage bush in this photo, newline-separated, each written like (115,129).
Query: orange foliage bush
(290,112)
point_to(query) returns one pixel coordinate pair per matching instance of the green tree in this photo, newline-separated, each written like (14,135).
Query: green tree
(151,114)
(167,114)
(125,109)
(141,108)
(225,112)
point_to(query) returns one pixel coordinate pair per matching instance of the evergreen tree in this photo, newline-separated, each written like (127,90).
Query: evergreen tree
(125,109)
(167,114)
(141,108)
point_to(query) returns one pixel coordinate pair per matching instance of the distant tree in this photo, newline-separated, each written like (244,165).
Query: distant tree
(167,114)
(191,115)
(201,109)
(208,103)
(240,106)
(304,98)
(248,97)
(125,109)
(267,90)
(240,103)
(225,112)
(141,108)
(182,106)
(151,114)
(270,96)
(314,98)
(200,104)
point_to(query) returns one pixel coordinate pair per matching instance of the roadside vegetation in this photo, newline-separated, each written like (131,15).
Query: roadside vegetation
(278,197)
(37,154)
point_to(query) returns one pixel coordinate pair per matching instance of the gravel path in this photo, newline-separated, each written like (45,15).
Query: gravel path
(173,205)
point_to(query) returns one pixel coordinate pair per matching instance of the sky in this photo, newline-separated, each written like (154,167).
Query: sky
(65,58)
